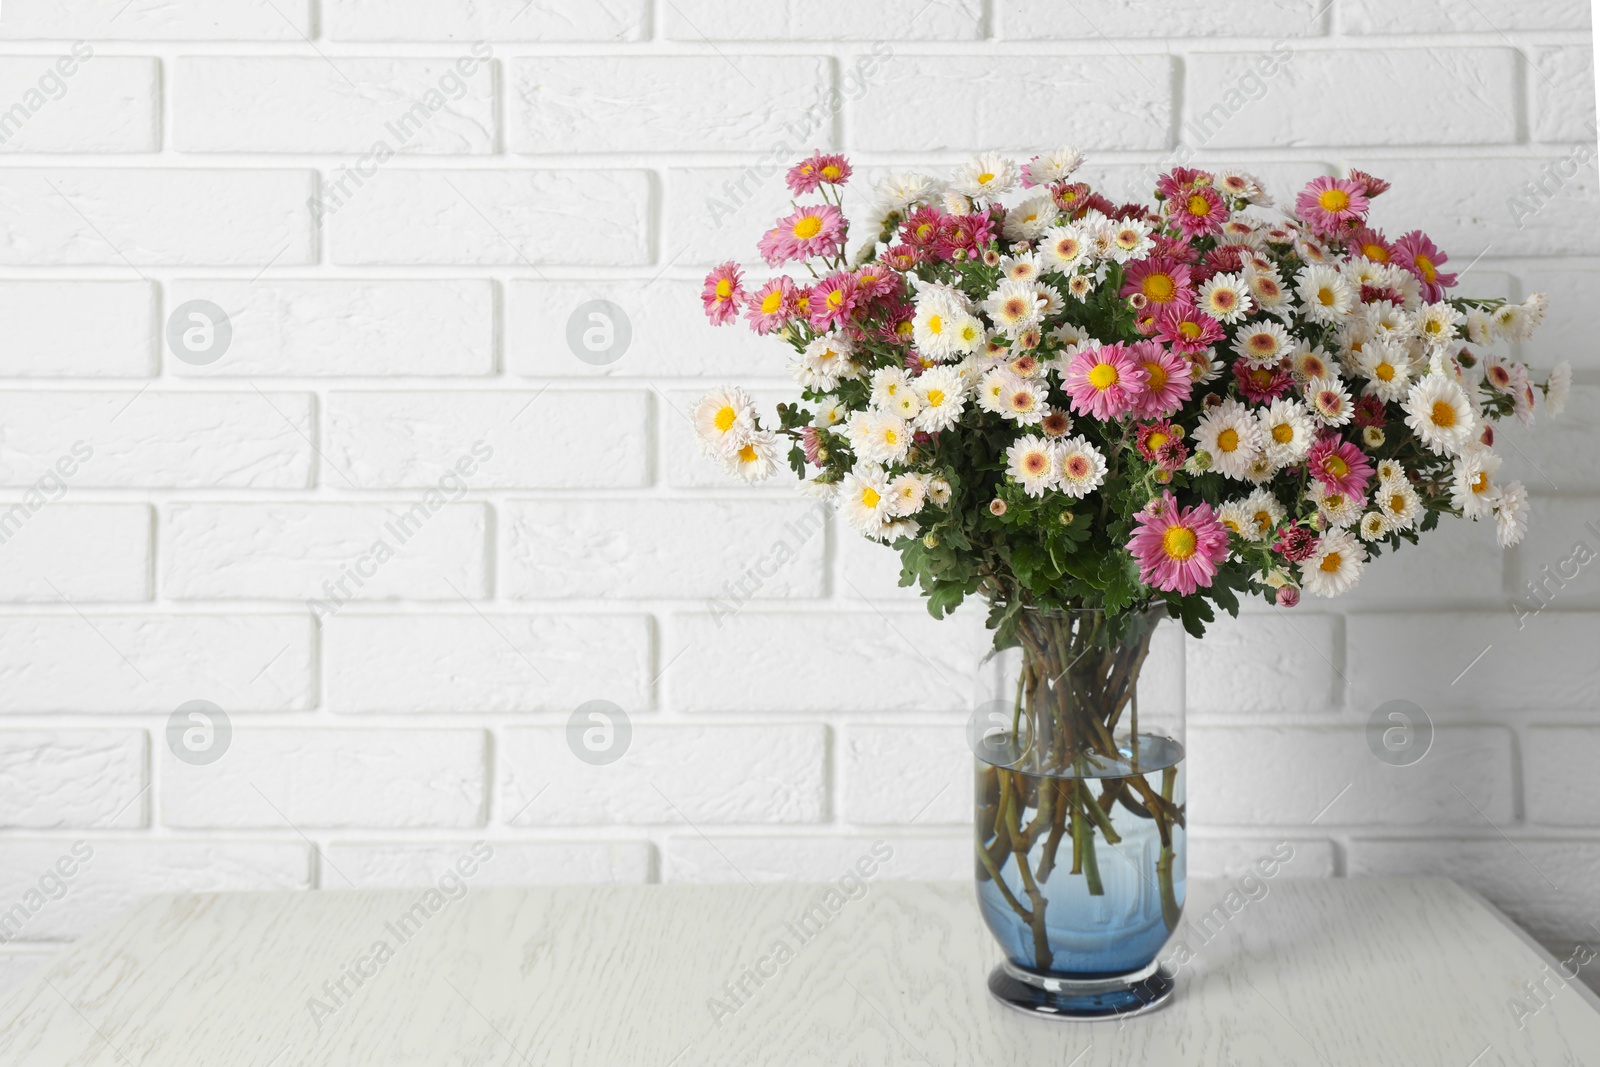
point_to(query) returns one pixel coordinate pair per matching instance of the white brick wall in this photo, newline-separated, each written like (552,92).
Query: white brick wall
(398,403)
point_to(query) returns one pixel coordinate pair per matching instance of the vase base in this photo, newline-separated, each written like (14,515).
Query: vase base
(1062,998)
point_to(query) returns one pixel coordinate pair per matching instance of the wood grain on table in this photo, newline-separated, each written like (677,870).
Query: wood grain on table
(1413,973)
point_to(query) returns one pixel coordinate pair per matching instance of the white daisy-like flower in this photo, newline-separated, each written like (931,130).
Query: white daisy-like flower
(1399,502)
(1080,286)
(1480,327)
(1080,468)
(827,492)
(889,383)
(757,459)
(1511,322)
(1335,566)
(1311,250)
(1359,271)
(1373,525)
(1329,401)
(1390,471)
(1022,267)
(1338,509)
(900,192)
(1389,321)
(1023,402)
(1226,298)
(1261,469)
(1239,184)
(1438,324)
(943,393)
(864,499)
(1402,281)
(1029,219)
(724,419)
(986,177)
(907,404)
(1266,288)
(1063,248)
(1511,514)
(1373,436)
(1014,307)
(1472,487)
(823,363)
(1262,512)
(1387,368)
(830,412)
(1056,165)
(894,529)
(939,490)
(1440,414)
(1204,367)
(1325,296)
(1234,516)
(1262,344)
(1131,240)
(878,437)
(1031,462)
(906,495)
(1242,232)
(1311,361)
(993,387)
(1557,388)
(1230,434)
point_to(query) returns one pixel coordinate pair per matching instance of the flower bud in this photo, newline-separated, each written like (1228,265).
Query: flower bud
(997,507)
(930,540)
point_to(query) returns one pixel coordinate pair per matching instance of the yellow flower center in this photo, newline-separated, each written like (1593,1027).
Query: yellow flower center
(1178,542)
(1283,433)
(935,324)
(831,172)
(747,454)
(1397,502)
(1228,440)
(1156,440)
(1425,265)
(1331,562)
(1384,371)
(808,227)
(935,397)
(1199,205)
(1188,330)
(836,298)
(1326,297)
(725,418)
(869,496)
(1335,467)
(1480,484)
(724,288)
(1263,520)
(1103,376)
(772,302)
(1230,524)
(1333,200)
(890,437)
(1157,376)
(1159,288)
(985,178)
(1375,252)
(1443,414)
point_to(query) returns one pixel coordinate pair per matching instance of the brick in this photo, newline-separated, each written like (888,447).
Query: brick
(78,102)
(1470,97)
(712,213)
(297,778)
(335,328)
(485,20)
(153,663)
(1559,556)
(72,329)
(506,218)
(80,552)
(1288,776)
(870,570)
(116,873)
(159,20)
(485,662)
(411,550)
(1283,663)
(1034,20)
(1554,455)
(1544,886)
(392,865)
(1562,83)
(772,858)
(1559,775)
(725,552)
(668,335)
(1457,564)
(906,774)
(232,218)
(825,20)
(876,661)
(1548,664)
(563,105)
(525,440)
(345,104)
(1234,858)
(1564,334)
(1470,206)
(684,466)
(771,773)
(1119,102)
(1487,16)
(56,779)
(157,439)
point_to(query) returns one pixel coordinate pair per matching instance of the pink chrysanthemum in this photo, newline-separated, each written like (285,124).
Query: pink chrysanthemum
(815,230)
(806,175)
(970,233)
(876,280)
(722,295)
(1167,380)
(1261,385)
(1199,211)
(1422,257)
(1296,543)
(771,306)
(1151,436)
(1104,382)
(1369,185)
(1365,241)
(1332,205)
(923,230)
(1178,549)
(1179,181)
(1186,328)
(1340,466)
(1159,280)
(1288,596)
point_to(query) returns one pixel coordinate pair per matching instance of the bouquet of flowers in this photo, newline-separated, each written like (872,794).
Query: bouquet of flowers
(1056,401)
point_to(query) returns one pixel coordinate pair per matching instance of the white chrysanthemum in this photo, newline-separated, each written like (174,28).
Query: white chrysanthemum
(1373,525)
(864,499)
(1402,281)
(1337,509)
(934,326)
(1440,414)
(1266,288)
(1023,402)
(888,439)
(1399,502)
(1226,298)
(1262,512)
(906,495)
(1387,368)
(824,362)
(956,203)
(1262,344)
(1437,324)
(1359,270)
(1234,516)
(1080,286)
(1022,267)
(1031,462)
(1472,487)
(1261,469)
(986,177)
(1063,248)
(1480,327)
(1056,165)
(830,412)
(939,490)
(1029,219)
(943,393)
(1131,240)
(1325,296)
(907,404)
(1512,322)
(724,420)
(756,459)
(1329,401)
(1558,388)
(1014,307)
(993,388)
(900,192)
(1511,514)
(1389,321)
(827,492)
(1241,184)
(889,383)
(1080,468)
(1335,566)
(1230,434)
(1311,361)
(1286,431)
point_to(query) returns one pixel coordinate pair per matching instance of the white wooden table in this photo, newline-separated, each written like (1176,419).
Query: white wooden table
(1381,972)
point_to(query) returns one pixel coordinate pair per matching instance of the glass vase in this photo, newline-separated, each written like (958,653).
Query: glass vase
(1080,811)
